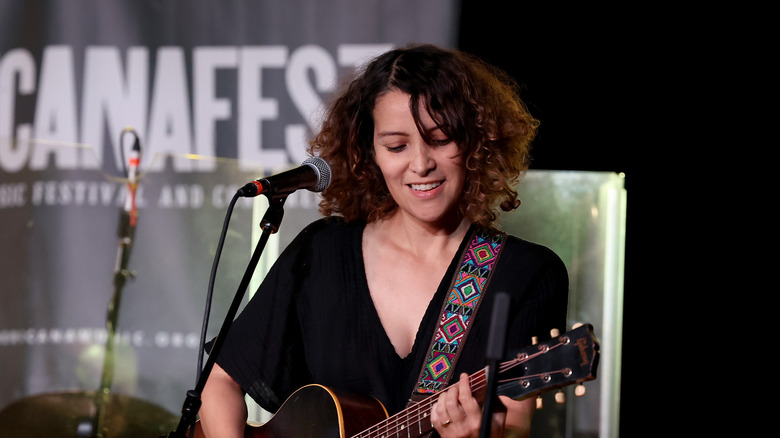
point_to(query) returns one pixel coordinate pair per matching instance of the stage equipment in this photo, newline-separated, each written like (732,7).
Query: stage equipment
(98,414)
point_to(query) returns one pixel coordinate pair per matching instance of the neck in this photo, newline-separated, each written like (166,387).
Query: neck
(411,233)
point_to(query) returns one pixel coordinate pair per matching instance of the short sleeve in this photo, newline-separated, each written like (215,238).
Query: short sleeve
(262,350)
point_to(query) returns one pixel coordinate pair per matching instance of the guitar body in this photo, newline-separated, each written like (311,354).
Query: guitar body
(316,411)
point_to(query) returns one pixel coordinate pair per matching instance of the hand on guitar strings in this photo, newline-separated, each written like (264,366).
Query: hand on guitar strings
(457,414)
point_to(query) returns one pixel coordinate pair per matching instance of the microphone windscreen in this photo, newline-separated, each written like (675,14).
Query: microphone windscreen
(323,169)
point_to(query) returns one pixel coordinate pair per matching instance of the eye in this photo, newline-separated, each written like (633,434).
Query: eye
(438,137)
(395,149)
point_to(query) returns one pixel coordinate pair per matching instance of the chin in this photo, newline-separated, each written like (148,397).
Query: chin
(444,220)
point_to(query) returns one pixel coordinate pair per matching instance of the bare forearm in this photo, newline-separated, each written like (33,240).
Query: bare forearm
(223,411)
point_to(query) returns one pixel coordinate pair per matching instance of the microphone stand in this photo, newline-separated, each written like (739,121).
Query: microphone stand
(126,233)
(270,224)
(495,353)
(128,217)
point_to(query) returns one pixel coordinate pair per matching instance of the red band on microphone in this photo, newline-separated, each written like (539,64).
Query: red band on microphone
(259,186)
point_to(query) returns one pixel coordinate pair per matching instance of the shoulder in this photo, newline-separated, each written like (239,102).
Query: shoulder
(519,247)
(320,245)
(328,232)
(523,257)
(331,226)
(537,279)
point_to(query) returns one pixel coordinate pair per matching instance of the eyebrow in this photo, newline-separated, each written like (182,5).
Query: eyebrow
(390,133)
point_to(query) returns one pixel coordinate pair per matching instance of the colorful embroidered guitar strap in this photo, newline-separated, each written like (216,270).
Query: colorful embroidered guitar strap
(466,291)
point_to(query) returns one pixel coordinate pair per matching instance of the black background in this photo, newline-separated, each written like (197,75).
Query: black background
(592,78)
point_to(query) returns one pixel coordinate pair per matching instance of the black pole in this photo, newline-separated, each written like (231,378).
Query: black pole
(269,224)
(126,234)
(495,353)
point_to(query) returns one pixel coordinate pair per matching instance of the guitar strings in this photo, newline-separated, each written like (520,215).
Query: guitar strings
(422,409)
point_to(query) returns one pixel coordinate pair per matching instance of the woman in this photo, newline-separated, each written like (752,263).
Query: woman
(424,146)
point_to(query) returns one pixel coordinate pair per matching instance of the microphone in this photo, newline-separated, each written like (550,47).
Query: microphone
(133,162)
(313,174)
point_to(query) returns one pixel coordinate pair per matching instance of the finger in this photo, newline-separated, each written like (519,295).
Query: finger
(470,409)
(468,403)
(451,401)
(439,418)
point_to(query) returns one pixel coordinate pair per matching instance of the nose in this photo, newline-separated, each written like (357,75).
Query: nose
(422,160)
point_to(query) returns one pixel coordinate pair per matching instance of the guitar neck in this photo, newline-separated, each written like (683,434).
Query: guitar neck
(562,361)
(415,420)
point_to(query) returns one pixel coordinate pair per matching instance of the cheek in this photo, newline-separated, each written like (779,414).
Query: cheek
(384,173)
(388,164)
(458,167)
(462,177)
(377,160)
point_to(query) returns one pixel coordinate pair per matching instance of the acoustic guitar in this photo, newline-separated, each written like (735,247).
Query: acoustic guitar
(316,411)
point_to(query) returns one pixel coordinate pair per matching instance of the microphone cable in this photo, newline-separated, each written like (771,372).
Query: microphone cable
(212,278)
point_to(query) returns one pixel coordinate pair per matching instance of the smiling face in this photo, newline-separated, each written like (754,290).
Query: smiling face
(425,180)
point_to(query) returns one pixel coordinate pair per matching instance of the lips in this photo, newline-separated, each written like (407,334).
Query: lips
(425,187)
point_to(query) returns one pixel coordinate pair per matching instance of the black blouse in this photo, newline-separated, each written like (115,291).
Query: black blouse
(312,319)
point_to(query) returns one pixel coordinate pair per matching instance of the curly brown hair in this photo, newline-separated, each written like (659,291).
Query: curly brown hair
(473,103)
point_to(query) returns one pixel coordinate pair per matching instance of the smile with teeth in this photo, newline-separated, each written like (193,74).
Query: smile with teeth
(425,187)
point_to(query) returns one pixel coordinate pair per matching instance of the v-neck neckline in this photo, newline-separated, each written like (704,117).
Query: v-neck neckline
(434,305)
